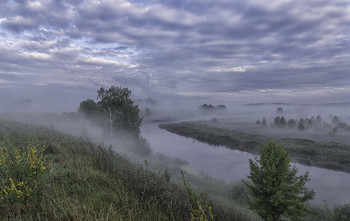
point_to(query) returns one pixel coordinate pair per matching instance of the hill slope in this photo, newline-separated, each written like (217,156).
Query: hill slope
(84,181)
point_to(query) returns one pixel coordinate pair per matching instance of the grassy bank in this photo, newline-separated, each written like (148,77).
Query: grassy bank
(326,155)
(84,181)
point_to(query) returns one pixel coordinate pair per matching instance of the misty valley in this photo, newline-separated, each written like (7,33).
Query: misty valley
(177,164)
(175,110)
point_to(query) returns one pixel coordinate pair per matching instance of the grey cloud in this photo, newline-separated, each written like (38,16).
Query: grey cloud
(175,45)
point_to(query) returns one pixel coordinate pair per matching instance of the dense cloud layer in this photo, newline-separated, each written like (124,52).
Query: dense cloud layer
(255,49)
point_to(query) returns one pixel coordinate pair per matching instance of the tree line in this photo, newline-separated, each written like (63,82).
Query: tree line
(307,123)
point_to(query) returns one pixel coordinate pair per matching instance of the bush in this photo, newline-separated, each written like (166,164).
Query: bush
(21,170)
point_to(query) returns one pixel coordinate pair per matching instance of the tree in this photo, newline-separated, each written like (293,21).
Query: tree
(221,107)
(280,121)
(283,122)
(88,107)
(275,188)
(301,124)
(119,109)
(264,122)
(279,110)
(335,120)
(291,123)
(276,121)
(309,122)
(210,107)
(206,107)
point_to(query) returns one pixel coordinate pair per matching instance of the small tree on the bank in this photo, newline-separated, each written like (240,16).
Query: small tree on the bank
(277,191)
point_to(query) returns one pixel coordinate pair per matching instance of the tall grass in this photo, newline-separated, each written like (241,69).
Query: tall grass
(79,180)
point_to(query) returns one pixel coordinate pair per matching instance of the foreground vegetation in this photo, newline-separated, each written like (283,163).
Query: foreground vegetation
(276,189)
(78,180)
(326,155)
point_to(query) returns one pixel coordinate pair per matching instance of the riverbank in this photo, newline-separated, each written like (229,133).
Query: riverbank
(330,155)
(80,180)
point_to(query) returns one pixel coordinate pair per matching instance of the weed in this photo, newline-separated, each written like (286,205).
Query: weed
(200,210)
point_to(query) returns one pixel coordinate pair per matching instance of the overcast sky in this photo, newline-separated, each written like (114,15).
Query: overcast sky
(234,51)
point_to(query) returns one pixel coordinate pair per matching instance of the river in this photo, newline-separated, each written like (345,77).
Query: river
(232,165)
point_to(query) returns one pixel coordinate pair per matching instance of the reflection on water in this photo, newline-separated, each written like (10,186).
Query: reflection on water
(232,165)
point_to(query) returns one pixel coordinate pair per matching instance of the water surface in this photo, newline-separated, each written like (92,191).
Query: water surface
(232,165)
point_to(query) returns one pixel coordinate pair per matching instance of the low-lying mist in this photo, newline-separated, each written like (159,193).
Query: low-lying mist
(78,125)
(219,163)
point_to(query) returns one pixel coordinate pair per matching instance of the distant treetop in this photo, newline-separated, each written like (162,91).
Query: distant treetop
(210,107)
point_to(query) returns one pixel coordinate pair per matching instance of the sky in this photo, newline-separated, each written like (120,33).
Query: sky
(55,53)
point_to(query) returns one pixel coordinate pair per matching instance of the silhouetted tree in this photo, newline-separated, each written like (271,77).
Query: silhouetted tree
(206,107)
(280,121)
(221,107)
(264,122)
(283,122)
(276,121)
(335,120)
(309,122)
(291,123)
(210,107)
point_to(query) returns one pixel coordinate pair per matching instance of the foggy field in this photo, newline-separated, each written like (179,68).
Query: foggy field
(328,155)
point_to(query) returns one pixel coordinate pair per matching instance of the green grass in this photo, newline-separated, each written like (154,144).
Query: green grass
(85,181)
(326,155)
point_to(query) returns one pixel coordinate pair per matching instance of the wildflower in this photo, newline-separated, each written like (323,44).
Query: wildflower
(20,172)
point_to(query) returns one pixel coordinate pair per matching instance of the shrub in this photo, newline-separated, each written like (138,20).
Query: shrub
(20,173)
